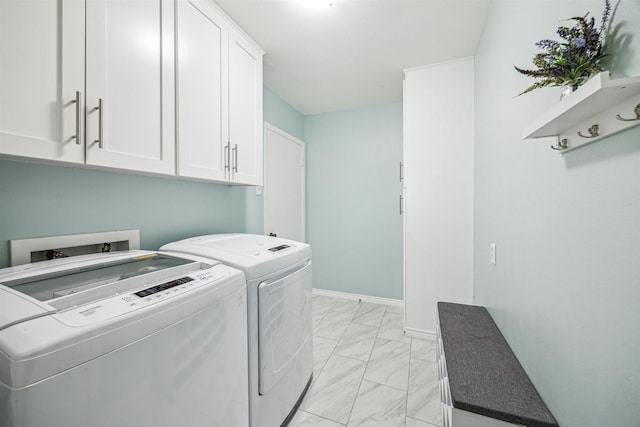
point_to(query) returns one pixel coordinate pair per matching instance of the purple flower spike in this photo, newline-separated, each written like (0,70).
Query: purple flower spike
(575,58)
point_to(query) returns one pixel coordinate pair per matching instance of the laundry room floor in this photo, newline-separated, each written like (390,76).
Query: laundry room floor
(366,372)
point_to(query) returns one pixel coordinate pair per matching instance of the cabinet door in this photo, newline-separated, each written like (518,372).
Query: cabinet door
(245,109)
(438,221)
(130,85)
(42,79)
(202,126)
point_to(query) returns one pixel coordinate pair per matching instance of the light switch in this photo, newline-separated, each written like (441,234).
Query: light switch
(492,253)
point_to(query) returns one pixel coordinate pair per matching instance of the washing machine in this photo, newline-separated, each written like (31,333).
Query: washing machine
(136,339)
(279,285)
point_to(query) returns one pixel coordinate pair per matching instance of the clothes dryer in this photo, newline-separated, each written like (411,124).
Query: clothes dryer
(127,339)
(279,285)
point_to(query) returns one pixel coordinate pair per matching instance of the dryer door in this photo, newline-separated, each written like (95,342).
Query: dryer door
(284,323)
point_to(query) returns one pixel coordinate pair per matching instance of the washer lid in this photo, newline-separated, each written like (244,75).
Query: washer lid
(16,308)
(44,288)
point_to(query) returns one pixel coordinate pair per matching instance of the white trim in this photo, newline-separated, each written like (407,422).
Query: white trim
(437,64)
(356,297)
(265,188)
(404,202)
(237,28)
(420,334)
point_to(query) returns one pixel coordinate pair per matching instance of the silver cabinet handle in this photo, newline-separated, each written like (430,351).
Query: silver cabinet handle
(227,156)
(100,108)
(77,102)
(401,203)
(235,158)
(401,172)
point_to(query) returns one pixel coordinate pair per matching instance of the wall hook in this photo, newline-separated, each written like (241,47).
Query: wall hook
(636,111)
(562,145)
(593,132)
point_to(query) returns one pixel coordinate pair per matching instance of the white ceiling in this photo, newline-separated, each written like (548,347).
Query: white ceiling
(352,54)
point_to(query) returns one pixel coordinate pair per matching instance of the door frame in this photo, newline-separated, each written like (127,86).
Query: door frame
(269,127)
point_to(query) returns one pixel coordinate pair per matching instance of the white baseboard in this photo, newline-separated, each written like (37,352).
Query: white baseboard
(420,334)
(356,297)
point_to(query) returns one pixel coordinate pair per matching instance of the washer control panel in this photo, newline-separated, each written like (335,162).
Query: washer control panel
(163,287)
(268,252)
(120,304)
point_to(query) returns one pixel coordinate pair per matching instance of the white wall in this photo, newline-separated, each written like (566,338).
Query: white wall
(438,157)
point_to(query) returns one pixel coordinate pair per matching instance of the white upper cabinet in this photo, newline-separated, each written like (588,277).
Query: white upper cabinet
(245,109)
(219,97)
(127,70)
(142,110)
(42,79)
(202,73)
(130,85)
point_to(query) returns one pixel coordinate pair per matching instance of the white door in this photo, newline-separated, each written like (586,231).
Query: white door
(42,79)
(284,185)
(202,103)
(130,85)
(245,110)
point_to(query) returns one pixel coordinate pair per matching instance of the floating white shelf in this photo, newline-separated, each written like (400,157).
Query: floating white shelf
(598,109)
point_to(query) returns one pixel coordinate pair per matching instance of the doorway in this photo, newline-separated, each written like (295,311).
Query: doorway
(284,185)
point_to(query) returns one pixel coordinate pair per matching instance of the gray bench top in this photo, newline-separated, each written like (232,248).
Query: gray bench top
(485,376)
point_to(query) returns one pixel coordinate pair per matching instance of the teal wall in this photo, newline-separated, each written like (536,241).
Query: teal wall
(41,200)
(566,288)
(282,115)
(353,223)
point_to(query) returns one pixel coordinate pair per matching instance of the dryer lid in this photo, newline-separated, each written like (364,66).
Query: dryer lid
(256,255)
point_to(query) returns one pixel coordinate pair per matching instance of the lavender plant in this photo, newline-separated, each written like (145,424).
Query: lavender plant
(573,60)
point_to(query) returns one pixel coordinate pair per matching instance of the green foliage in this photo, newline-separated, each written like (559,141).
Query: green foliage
(573,60)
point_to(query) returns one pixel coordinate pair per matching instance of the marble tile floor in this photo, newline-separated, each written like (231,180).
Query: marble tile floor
(366,371)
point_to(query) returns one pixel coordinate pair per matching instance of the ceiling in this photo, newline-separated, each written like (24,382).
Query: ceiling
(351,54)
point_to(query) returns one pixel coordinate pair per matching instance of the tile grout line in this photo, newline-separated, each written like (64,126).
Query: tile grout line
(411,343)
(323,316)
(324,418)
(365,368)
(363,372)
(406,408)
(312,336)
(333,354)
